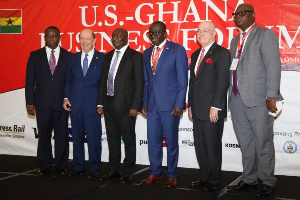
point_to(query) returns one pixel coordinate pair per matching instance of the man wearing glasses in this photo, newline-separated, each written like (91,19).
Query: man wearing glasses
(209,82)
(254,90)
(165,72)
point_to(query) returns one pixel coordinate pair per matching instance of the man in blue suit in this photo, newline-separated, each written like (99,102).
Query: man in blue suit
(81,94)
(165,73)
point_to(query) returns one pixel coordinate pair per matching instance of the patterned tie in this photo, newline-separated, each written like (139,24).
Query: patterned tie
(200,60)
(110,79)
(85,65)
(52,62)
(234,73)
(155,59)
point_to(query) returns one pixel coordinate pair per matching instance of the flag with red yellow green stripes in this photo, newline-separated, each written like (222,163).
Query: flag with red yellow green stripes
(10,21)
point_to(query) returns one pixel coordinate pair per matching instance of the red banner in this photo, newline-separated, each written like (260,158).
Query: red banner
(181,18)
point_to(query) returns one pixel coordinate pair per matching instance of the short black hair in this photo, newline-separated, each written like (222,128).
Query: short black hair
(161,24)
(52,27)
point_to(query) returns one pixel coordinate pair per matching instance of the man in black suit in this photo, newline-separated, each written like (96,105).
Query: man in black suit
(44,91)
(209,81)
(120,98)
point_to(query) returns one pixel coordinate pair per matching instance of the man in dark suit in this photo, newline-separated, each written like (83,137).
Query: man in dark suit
(207,99)
(254,90)
(81,99)
(165,72)
(46,77)
(120,98)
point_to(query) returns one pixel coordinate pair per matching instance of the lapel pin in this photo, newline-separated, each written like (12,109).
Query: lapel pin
(167,48)
(97,57)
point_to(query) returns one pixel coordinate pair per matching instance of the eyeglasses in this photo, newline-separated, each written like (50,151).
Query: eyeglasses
(241,13)
(204,31)
(156,33)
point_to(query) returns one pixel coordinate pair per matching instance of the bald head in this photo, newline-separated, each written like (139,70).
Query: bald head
(206,33)
(244,16)
(87,40)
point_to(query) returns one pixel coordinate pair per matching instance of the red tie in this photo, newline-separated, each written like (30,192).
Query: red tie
(155,59)
(52,62)
(200,60)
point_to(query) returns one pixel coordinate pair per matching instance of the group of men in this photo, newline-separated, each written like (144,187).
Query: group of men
(124,82)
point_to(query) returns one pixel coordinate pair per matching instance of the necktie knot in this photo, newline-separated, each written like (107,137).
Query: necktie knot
(52,51)
(243,34)
(86,55)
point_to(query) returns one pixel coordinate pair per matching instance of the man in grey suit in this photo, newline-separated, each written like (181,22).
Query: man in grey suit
(254,90)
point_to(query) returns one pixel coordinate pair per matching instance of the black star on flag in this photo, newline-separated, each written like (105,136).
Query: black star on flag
(9,21)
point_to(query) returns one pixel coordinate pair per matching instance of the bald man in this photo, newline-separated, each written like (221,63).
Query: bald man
(209,81)
(253,93)
(81,93)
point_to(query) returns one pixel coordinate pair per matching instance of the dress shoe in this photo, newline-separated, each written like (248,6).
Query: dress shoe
(93,174)
(61,172)
(150,180)
(126,179)
(241,185)
(43,172)
(76,173)
(110,176)
(171,183)
(198,184)
(210,187)
(265,191)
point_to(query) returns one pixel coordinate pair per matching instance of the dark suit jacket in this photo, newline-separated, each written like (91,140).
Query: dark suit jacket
(128,83)
(42,89)
(83,91)
(169,84)
(209,88)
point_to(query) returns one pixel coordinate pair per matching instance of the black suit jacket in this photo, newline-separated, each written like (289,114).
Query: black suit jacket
(209,88)
(128,83)
(42,89)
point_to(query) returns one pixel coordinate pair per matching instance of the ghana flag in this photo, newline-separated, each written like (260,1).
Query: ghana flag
(10,21)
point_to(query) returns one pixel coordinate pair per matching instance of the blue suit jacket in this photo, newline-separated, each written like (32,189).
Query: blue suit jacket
(83,91)
(169,84)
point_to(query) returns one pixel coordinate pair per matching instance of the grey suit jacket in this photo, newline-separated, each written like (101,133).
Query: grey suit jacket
(259,69)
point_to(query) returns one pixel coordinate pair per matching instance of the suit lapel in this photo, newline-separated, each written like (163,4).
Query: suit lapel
(163,55)
(92,64)
(207,55)
(248,42)
(45,60)
(123,60)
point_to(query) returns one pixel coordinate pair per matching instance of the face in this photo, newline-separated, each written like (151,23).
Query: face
(206,33)
(86,40)
(157,34)
(244,22)
(52,38)
(119,38)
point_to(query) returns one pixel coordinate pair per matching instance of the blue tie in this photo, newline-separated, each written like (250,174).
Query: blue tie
(85,65)
(110,79)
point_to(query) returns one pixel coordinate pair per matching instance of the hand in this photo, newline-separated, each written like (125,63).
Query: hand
(177,112)
(271,105)
(132,113)
(67,105)
(190,113)
(144,110)
(100,110)
(31,110)
(213,115)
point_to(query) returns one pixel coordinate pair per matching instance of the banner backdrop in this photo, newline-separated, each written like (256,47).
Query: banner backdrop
(22,25)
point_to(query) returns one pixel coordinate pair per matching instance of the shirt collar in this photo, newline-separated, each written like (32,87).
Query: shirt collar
(123,49)
(90,54)
(208,47)
(49,49)
(161,44)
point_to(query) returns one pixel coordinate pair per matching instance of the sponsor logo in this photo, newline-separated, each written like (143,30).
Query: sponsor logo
(14,131)
(290,147)
(232,146)
(187,143)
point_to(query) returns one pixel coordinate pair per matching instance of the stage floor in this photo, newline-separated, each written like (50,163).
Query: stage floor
(19,180)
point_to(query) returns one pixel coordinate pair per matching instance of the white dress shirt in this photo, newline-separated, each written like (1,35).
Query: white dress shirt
(56,53)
